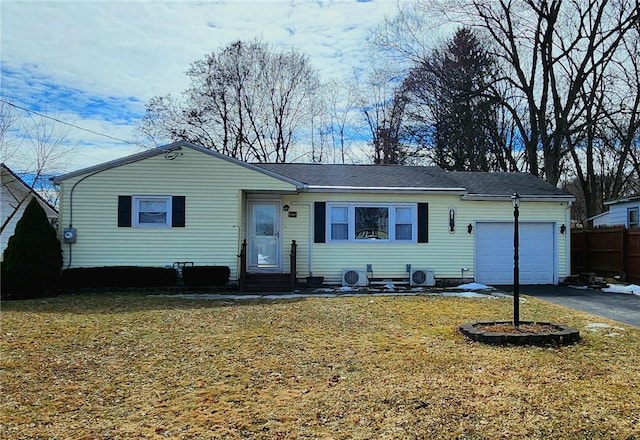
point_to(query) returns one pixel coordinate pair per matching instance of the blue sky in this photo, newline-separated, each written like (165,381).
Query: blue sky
(95,64)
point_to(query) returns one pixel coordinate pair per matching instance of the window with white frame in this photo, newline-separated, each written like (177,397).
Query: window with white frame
(632,217)
(371,222)
(152,211)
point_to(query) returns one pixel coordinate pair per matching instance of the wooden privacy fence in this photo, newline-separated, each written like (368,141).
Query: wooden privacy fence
(606,252)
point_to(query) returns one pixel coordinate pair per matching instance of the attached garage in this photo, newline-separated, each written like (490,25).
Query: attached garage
(494,253)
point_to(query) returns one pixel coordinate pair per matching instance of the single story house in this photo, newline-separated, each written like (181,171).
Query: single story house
(351,223)
(14,198)
(620,212)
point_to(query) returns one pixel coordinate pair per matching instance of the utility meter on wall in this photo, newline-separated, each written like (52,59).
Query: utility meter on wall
(69,235)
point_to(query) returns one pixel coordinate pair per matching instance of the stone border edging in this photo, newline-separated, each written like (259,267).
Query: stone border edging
(564,335)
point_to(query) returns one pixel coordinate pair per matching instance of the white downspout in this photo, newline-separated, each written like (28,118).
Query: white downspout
(568,238)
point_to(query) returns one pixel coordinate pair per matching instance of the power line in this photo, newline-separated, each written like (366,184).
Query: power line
(67,123)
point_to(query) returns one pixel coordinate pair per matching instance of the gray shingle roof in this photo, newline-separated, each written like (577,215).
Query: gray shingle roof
(364,176)
(496,184)
(407,177)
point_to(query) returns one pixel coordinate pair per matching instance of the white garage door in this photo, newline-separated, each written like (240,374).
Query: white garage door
(494,253)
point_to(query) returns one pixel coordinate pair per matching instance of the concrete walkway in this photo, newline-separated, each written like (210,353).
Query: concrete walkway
(617,306)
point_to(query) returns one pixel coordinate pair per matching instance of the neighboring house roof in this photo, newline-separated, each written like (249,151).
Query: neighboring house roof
(336,177)
(10,178)
(627,199)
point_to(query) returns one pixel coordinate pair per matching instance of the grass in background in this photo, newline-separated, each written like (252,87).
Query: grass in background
(134,366)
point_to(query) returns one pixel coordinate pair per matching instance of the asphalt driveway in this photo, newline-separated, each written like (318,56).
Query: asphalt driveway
(617,306)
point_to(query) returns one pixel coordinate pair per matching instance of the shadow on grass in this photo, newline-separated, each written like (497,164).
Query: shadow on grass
(118,301)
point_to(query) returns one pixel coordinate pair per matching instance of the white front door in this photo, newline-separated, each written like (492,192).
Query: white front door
(264,236)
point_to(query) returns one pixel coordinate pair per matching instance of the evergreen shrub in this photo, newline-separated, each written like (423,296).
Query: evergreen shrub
(33,257)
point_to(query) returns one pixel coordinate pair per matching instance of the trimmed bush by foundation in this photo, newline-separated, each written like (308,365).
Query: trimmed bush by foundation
(118,276)
(205,275)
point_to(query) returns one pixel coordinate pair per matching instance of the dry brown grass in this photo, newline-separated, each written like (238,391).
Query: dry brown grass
(131,366)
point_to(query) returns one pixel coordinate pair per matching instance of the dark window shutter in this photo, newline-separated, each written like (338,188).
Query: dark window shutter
(319,222)
(178,211)
(124,211)
(423,223)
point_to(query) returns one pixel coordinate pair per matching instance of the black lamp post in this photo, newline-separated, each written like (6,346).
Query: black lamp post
(515,198)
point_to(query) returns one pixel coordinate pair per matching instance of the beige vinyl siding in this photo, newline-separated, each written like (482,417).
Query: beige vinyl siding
(214,212)
(297,228)
(445,252)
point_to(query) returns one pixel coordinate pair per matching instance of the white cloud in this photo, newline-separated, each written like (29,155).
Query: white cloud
(142,49)
(111,57)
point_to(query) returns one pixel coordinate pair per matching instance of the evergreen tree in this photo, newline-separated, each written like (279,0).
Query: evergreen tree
(33,258)
(451,114)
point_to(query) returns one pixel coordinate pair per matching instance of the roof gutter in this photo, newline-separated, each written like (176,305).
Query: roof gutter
(526,198)
(383,189)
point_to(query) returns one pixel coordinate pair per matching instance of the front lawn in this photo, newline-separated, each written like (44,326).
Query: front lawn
(125,366)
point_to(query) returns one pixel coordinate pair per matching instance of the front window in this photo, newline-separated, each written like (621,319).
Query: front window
(404,223)
(339,223)
(371,222)
(632,215)
(152,211)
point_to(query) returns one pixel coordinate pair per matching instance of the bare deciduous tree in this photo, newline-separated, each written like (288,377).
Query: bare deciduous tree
(603,151)
(554,50)
(37,145)
(246,101)
(341,107)
(382,100)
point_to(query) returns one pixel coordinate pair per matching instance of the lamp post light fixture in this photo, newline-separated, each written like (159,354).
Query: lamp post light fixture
(515,198)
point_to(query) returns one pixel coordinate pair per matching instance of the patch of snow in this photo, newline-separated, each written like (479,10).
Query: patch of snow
(473,286)
(464,291)
(597,326)
(466,294)
(620,288)
(502,295)
(579,287)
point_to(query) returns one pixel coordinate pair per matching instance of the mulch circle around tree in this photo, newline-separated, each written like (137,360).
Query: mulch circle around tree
(527,333)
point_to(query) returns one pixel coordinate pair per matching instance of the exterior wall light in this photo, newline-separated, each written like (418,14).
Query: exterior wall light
(286,208)
(452,220)
(563,229)
(469,228)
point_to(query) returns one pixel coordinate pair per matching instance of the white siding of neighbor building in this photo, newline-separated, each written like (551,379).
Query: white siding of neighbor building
(447,253)
(601,220)
(618,213)
(213,189)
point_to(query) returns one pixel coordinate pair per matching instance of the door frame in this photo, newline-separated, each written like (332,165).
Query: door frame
(251,201)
